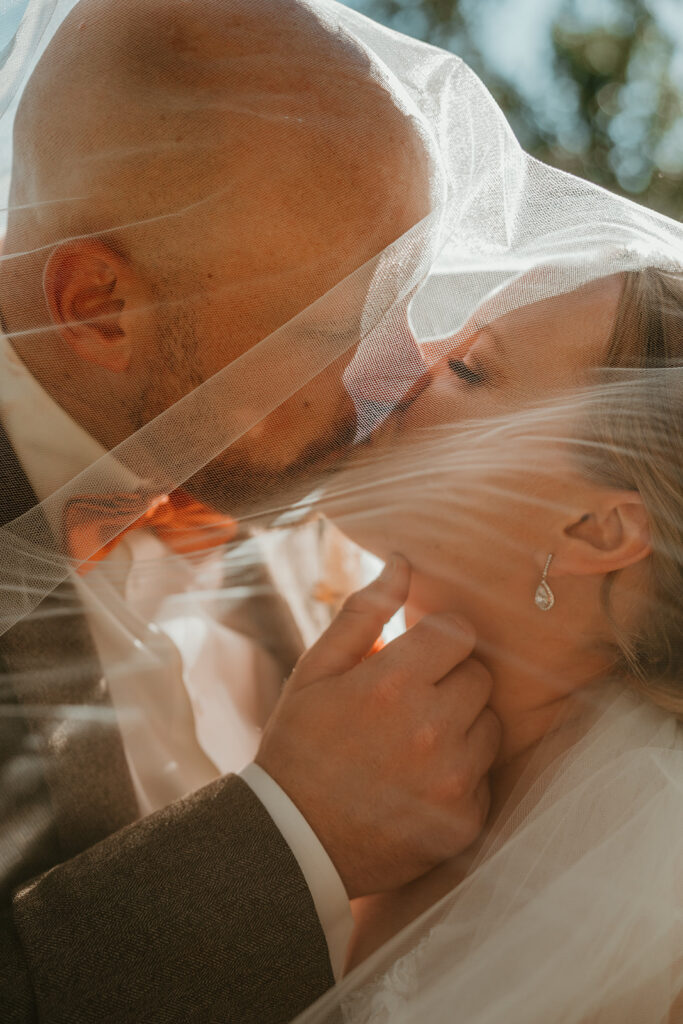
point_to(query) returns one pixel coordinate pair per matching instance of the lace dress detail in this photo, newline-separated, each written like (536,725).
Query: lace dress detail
(383,999)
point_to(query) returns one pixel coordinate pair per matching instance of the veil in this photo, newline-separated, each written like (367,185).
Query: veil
(562,918)
(157,132)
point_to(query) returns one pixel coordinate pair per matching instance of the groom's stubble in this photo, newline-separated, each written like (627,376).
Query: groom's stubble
(248,479)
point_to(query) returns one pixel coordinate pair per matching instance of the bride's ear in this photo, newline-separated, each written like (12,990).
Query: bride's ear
(613,534)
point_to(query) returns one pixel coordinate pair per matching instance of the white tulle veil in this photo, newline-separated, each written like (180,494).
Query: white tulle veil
(573,911)
(562,918)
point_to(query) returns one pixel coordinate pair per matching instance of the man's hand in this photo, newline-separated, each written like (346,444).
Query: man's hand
(387,757)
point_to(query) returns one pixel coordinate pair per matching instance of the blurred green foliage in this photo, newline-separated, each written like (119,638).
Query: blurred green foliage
(594,87)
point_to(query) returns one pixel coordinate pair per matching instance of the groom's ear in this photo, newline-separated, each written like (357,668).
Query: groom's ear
(612,534)
(92,294)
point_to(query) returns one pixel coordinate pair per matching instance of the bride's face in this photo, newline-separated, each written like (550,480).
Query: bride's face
(477,510)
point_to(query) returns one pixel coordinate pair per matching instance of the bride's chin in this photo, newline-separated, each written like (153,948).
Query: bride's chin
(374,541)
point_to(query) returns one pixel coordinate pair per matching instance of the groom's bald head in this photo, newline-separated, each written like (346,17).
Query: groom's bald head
(188,176)
(142,108)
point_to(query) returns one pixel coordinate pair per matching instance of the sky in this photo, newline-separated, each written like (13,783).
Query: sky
(11,12)
(36,21)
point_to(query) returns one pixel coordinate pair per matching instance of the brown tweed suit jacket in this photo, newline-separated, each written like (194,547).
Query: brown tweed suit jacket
(196,913)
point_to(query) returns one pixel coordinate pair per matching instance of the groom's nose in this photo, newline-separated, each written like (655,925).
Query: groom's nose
(372,414)
(385,375)
(386,417)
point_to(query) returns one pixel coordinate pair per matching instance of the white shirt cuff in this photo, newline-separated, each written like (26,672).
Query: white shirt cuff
(326,887)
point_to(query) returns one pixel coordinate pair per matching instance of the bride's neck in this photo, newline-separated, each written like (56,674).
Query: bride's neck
(532,703)
(511,779)
(536,730)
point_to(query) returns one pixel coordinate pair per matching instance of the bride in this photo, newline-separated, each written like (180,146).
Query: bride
(556,528)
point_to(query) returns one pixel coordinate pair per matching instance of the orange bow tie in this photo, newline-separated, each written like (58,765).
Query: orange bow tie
(186,525)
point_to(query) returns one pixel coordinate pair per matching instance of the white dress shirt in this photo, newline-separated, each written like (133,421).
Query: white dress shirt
(191,695)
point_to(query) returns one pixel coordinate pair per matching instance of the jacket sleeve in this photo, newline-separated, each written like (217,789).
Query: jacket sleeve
(196,913)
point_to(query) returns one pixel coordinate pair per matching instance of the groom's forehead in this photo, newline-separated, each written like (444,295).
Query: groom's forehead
(288,56)
(206,79)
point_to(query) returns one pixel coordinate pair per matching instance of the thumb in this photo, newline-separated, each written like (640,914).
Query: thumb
(357,625)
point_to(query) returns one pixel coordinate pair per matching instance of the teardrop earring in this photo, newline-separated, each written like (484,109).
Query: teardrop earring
(544,598)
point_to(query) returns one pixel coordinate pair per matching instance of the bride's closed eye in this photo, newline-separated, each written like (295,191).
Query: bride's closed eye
(480,359)
(472,375)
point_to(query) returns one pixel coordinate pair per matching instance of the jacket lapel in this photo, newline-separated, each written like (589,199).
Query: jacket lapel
(51,669)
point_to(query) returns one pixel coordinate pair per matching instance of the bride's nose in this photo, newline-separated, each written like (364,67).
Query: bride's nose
(418,388)
(434,354)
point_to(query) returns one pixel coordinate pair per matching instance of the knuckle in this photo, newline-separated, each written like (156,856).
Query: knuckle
(385,689)
(427,738)
(453,788)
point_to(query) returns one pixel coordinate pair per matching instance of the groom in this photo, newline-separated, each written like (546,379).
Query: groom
(125,899)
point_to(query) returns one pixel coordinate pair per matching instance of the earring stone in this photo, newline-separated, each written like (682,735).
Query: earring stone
(544,597)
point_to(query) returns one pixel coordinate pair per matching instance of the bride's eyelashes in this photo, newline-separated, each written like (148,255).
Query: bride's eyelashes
(469,374)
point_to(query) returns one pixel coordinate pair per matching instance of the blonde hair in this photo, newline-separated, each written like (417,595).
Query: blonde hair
(636,432)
